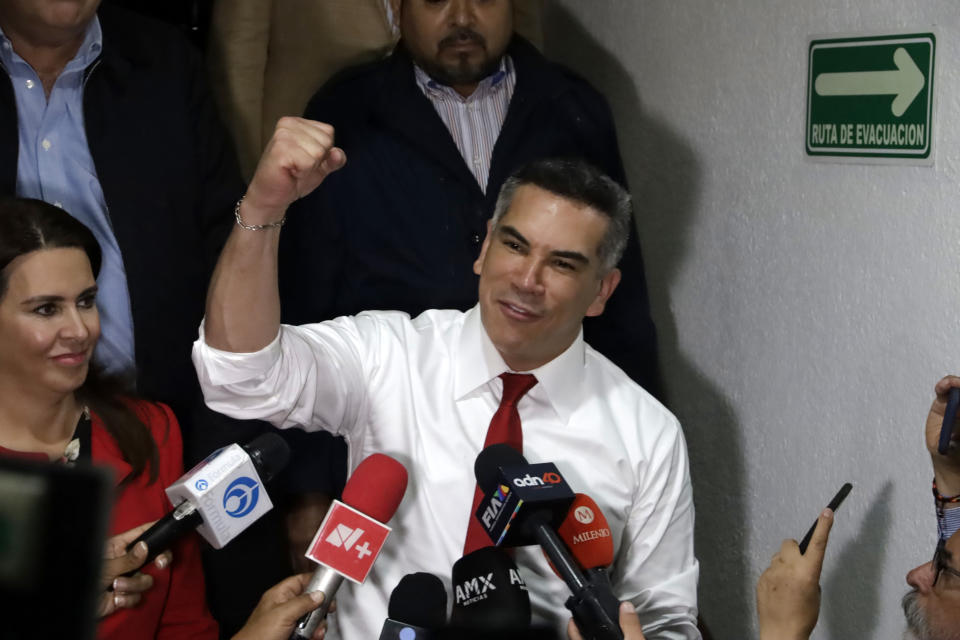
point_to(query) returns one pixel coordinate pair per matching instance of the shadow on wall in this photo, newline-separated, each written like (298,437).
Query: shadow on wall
(665,179)
(858,573)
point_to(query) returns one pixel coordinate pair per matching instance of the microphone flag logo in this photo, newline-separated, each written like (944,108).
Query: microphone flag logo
(583,514)
(241,497)
(348,542)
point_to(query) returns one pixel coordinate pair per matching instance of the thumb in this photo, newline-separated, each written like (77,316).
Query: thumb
(630,622)
(572,632)
(295,608)
(818,542)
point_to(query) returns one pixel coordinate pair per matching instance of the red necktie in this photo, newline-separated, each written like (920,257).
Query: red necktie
(504,427)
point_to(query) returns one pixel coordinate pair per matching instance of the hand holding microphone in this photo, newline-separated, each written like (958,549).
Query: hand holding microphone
(352,534)
(221,496)
(121,581)
(279,609)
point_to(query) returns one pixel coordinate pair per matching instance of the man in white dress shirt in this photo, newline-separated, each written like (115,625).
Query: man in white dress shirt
(424,389)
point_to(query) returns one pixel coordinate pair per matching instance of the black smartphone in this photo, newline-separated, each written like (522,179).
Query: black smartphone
(949,418)
(834,504)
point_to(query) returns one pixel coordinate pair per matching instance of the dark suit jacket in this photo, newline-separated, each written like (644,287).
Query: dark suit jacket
(400,226)
(169,178)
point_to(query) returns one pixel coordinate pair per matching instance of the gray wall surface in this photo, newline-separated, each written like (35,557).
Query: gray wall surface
(804,310)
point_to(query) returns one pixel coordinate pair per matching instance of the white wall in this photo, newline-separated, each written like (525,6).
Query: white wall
(804,310)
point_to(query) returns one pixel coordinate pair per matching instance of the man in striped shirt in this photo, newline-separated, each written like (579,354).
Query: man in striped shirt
(432,132)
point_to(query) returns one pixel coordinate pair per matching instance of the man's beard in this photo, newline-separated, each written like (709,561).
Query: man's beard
(462,72)
(917,626)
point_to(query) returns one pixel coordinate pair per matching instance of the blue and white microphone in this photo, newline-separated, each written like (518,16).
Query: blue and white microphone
(221,496)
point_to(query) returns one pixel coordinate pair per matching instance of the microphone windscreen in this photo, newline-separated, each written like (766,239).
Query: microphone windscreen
(419,599)
(489,592)
(586,533)
(487,466)
(376,487)
(270,454)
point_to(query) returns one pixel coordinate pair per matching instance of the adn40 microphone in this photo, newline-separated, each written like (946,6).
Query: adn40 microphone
(488,592)
(525,504)
(221,496)
(418,608)
(518,496)
(352,533)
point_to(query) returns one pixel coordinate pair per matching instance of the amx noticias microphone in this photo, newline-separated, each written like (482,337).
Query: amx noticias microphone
(488,592)
(352,533)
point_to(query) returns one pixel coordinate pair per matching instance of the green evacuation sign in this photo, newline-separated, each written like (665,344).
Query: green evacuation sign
(871,97)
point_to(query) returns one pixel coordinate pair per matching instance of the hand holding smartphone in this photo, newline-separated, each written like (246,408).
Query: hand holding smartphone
(834,504)
(949,418)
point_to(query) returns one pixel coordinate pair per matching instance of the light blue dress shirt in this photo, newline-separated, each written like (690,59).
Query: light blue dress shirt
(54,164)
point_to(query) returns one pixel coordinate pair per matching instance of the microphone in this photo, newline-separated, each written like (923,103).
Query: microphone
(586,534)
(489,593)
(352,533)
(525,504)
(221,496)
(418,607)
(518,496)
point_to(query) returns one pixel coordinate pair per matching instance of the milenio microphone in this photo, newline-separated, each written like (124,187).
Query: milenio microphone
(418,608)
(221,496)
(586,534)
(525,504)
(488,592)
(352,533)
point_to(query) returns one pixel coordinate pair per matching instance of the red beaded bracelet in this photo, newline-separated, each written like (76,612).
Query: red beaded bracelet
(943,500)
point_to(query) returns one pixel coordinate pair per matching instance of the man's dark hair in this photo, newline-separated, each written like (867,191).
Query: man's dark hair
(33,225)
(583,183)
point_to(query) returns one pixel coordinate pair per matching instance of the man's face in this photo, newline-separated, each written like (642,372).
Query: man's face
(457,42)
(933,611)
(47,21)
(540,275)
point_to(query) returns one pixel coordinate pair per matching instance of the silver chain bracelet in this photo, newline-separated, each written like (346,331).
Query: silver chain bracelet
(255,227)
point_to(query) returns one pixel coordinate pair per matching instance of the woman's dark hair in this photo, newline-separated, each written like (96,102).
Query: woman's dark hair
(31,225)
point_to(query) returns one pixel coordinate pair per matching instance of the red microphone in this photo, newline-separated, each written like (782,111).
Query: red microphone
(586,533)
(352,533)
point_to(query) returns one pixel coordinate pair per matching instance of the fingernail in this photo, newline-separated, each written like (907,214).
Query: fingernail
(118,584)
(140,551)
(161,562)
(118,601)
(316,596)
(827,513)
(628,607)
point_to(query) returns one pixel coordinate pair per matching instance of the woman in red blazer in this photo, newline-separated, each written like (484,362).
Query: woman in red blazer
(53,406)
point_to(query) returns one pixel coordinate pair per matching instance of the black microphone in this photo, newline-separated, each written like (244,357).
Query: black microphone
(488,592)
(221,496)
(525,504)
(418,608)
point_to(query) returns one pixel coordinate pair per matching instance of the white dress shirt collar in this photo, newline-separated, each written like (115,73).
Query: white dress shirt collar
(479,362)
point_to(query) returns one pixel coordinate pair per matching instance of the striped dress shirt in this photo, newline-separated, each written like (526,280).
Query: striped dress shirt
(474,122)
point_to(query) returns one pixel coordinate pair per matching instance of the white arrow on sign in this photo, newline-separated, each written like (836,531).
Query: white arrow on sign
(905,83)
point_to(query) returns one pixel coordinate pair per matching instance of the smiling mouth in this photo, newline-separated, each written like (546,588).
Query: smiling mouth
(518,312)
(71,359)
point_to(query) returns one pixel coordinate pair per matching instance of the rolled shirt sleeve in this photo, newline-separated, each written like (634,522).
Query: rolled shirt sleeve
(309,376)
